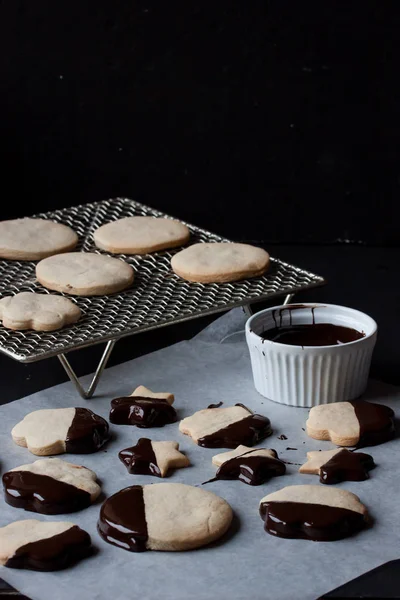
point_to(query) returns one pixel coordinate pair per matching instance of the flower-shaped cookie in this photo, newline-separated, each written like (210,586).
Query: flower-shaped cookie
(41,312)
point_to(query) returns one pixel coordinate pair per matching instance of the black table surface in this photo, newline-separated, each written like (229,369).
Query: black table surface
(361,277)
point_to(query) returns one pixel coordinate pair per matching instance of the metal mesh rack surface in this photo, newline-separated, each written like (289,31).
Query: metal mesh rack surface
(158,297)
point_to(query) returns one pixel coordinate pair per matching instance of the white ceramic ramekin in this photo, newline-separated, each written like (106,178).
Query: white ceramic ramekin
(310,375)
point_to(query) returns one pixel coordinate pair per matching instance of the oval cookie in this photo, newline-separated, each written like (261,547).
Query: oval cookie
(40,312)
(50,486)
(163,516)
(57,430)
(220,262)
(33,239)
(141,235)
(84,274)
(313,512)
(42,546)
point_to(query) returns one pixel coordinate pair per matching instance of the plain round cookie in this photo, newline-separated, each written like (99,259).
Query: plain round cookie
(40,312)
(84,274)
(220,262)
(33,239)
(141,235)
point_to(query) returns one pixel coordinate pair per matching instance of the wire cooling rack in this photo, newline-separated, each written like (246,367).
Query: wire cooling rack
(157,298)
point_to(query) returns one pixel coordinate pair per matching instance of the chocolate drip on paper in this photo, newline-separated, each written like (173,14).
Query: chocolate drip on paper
(317,522)
(43,494)
(87,432)
(52,553)
(140,459)
(122,520)
(142,411)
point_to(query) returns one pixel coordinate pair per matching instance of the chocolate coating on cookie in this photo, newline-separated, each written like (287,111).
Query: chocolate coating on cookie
(87,432)
(316,522)
(122,520)
(251,469)
(376,423)
(52,553)
(43,494)
(141,411)
(140,459)
(346,466)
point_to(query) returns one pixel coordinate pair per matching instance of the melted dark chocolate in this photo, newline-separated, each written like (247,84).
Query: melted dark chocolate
(215,405)
(289,308)
(140,459)
(53,553)
(248,432)
(87,432)
(43,494)
(318,334)
(282,437)
(122,520)
(141,411)
(376,423)
(316,522)
(346,466)
(253,470)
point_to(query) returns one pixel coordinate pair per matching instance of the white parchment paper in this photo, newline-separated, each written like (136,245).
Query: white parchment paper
(248,563)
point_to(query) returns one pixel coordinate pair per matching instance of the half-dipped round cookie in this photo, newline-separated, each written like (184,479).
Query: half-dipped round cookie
(313,512)
(253,466)
(163,516)
(153,458)
(339,464)
(50,486)
(357,423)
(220,262)
(151,410)
(84,274)
(226,427)
(141,235)
(58,430)
(42,545)
(33,239)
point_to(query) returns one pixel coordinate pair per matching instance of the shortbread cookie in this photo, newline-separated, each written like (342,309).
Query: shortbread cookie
(57,430)
(144,392)
(34,239)
(356,423)
(50,486)
(153,458)
(41,312)
(84,274)
(163,516)
(220,262)
(339,464)
(226,427)
(141,235)
(42,545)
(313,512)
(142,411)
(252,466)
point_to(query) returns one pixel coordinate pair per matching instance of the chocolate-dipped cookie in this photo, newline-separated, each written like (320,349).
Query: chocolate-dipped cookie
(251,466)
(143,408)
(226,427)
(153,458)
(313,512)
(339,464)
(50,486)
(42,546)
(58,430)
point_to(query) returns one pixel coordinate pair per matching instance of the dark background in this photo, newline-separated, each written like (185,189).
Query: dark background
(265,120)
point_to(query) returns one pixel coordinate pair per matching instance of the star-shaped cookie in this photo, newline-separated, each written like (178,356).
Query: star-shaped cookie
(253,466)
(153,458)
(339,464)
(143,408)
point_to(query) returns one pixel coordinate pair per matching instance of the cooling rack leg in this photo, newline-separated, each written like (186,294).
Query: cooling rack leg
(288,299)
(96,378)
